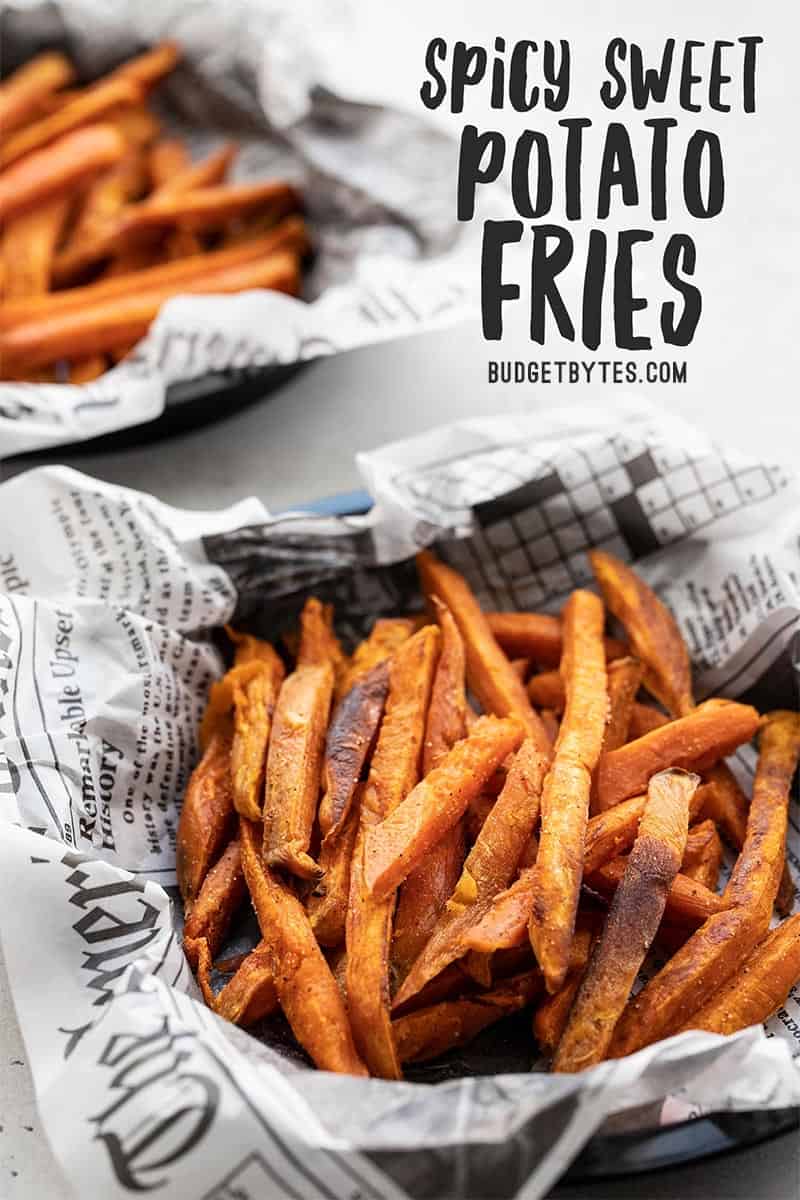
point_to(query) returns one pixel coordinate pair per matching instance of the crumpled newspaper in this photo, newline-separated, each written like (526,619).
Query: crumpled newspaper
(105,660)
(377,183)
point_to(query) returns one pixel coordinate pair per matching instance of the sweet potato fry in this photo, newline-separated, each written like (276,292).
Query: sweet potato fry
(149,68)
(398,844)
(489,867)
(787,890)
(757,871)
(108,324)
(87,369)
(350,738)
(289,234)
(386,636)
(59,167)
(137,124)
(208,208)
(652,630)
(703,857)
(250,648)
(644,719)
(327,904)
(306,988)
(255,694)
(759,987)
(538,636)
(546,690)
(250,994)
(87,108)
(550,1018)
(294,768)
(108,194)
(209,172)
(633,920)
(725,803)
(429,1032)
(424,894)
(565,796)
(223,891)
(29,240)
(697,741)
(624,677)
(689,902)
(318,643)
(710,957)
(206,816)
(608,835)
(489,673)
(22,92)
(393,773)
(167,158)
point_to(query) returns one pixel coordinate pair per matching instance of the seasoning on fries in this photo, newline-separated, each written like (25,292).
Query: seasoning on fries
(446,859)
(105,218)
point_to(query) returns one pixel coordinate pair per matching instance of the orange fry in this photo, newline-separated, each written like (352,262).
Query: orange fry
(294,768)
(223,891)
(108,194)
(710,957)
(59,167)
(106,325)
(759,987)
(137,125)
(387,634)
(398,844)
(255,694)
(652,630)
(710,732)
(87,369)
(318,643)
(489,673)
(424,894)
(22,92)
(88,107)
(168,157)
(327,904)
(546,690)
(393,773)
(209,207)
(206,173)
(538,636)
(703,857)
(308,993)
(624,677)
(429,1032)
(289,234)
(558,868)
(206,816)
(250,993)
(645,719)
(550,1018)
(29,240)
(489,866)
(633,921)
(149,68)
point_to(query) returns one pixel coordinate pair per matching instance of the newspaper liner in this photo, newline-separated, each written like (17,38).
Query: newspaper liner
(377,184)
(105,657)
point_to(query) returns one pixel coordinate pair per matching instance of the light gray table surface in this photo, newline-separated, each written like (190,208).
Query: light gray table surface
(299,443)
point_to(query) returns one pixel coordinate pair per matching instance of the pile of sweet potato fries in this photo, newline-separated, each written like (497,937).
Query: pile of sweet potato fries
(420,871)
(104,218)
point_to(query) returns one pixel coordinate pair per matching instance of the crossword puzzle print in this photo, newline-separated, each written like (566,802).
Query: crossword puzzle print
(628,496)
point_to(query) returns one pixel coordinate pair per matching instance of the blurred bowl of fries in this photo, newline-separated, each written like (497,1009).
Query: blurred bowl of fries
(135,169)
